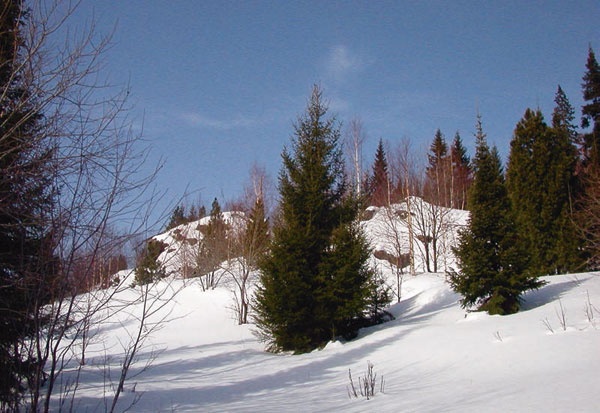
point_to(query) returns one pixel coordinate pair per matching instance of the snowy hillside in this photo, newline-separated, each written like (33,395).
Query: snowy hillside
(388,229)
(433,357)
(182,241)
(396,232)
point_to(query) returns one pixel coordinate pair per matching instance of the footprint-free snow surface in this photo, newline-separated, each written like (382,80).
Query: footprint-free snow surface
(434,357)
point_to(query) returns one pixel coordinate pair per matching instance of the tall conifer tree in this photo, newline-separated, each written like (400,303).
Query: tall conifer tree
(461,173)
(378,184)
(565,188)
(539,177)
(27,265)
(437,187)
(588,207)
(315,281)
(492,264)
(526,173)
(591,111)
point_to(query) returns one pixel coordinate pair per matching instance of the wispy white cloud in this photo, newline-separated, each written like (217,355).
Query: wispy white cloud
(341,62)
(338,105)
(198,119)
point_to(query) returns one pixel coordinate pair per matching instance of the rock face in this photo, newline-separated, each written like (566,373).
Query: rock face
(402,261)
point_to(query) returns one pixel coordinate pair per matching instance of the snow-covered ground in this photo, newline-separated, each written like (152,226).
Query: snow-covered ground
(390,229)
(434,357)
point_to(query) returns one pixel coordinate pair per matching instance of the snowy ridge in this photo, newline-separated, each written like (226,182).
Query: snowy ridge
(388,229)
(182,241)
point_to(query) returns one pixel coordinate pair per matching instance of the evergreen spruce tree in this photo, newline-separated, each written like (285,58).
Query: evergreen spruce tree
(588,207)
(345,284)
(378,185)
(438,175)
(27,262)
(216,228)
(438,150)
(213,248)
(526,171)
(563,116)
(565,188)
(149,269)
(461,173)
(492,263)
(591,111)
(539,176)
(315,278)
(177,217)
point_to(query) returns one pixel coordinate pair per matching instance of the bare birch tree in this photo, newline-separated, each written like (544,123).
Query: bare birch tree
(355,139)
(249,241)
(407,180)
(396,253)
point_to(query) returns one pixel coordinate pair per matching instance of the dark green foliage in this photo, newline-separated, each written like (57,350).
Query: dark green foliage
(213,248)
(591,111)
(438,150)
(448,173)
(527,168)
(438,183)
(588,173)
(539,180)
(563,116)
(462,175)
(196,213)
(378,184)
(177,217)
(491,259)
(459,152)
(149,269)
(565,189)
(314,282)
(344,283)
(27,263)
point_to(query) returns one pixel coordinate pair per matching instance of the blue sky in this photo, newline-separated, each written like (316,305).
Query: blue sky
(220,83)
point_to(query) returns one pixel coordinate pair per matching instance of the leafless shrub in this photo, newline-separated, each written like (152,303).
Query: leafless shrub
(590,310)
(498,336)
(366,384)
(248,244)
(153,299)
(391,231)
(547,324)
(561,315)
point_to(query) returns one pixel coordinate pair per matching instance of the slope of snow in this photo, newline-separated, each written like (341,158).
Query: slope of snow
(434,357)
